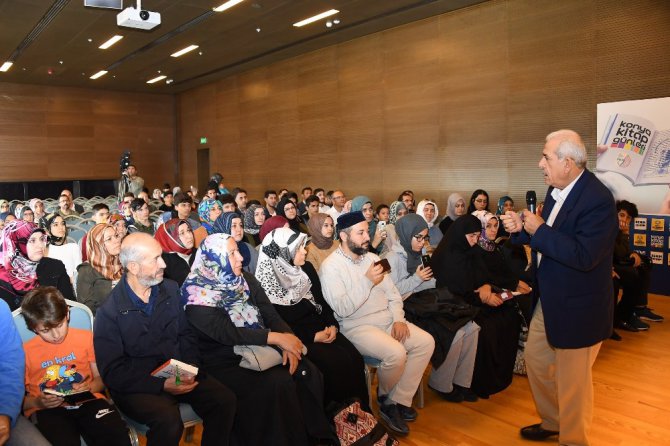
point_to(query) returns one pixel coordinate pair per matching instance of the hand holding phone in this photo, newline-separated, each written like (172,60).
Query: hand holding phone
(386,266)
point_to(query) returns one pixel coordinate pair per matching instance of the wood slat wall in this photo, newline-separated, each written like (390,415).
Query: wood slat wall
(52,133)
(451,103)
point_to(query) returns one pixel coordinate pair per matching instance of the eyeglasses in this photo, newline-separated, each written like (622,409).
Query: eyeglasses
(40,240)
(420,238)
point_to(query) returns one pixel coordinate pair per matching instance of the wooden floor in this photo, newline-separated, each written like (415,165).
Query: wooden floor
(632,400)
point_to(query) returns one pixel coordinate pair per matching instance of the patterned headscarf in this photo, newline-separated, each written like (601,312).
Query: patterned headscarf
(168,236)
(205,206)
(47,221)
(283,282)
(224,225)
(19,209)
(484,242)
(419,210)
(393,211)
(16,268)
(250,226)
(212,283)
(451,205)
(315,224)
(103,262)
(33,205)
(501,204)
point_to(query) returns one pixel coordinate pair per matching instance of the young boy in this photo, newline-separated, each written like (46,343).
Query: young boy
(62,359)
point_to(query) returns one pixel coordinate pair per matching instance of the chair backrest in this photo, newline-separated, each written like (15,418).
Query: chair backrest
(80,317)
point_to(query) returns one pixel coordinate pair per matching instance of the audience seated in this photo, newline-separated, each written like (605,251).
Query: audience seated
(479,201)
(281,405)
(168,201)
(119,223)
(407,198)
(369,310)
(288,209)
(65,208)
(96,421)
(321,195)
(397,210)
(469,264)
(382,213)
(24,266)
(363,204)
(427,209)
(505,204)
(25,213)
(338,200)
(240,196)
(455,340)
(293,287)
(140,221)
(100,215)
(322,228)
(209,210)
(271,200)
(74,206)
(177,240)
(58,247)
(183,204)
(6,217)
(273,223)
(37,206)
(97,277)
(254,217)
(311,208)
(140,327)
(230,223)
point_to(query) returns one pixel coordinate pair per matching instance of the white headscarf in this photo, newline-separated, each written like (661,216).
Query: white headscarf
(419,211)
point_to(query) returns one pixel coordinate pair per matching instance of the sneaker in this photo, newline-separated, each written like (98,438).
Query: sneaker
(455,396)
(637,323)
(627,326)
(615,336)
(646,314)
(408,413)
(391,416)
(468,395)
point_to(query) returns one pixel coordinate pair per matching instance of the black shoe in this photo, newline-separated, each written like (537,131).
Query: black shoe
(615,336)
(626,326)
(408,413)
(648,315)
(391,416)
(637,323)
(536,432)
(468,395)
(455,396)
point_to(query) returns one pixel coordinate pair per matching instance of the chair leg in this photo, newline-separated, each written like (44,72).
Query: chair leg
(188,434)
(418,396)
(368,382)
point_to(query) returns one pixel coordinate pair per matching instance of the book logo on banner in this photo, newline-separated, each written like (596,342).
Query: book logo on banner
(640,224)
(657,241)
(640,240)
(658,224)
(656,257)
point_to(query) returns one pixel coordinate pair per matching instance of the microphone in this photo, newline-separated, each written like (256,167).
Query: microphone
(531,200)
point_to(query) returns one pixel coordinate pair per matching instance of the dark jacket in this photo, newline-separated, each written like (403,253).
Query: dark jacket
(176,268)
(92,287)
(129,344)
(50,272)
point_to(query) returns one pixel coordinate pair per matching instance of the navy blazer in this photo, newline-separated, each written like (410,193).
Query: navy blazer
(574,279)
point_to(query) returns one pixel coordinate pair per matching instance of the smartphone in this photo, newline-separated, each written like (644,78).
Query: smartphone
(503,293)
(386,266)
(425,260)
(382,225)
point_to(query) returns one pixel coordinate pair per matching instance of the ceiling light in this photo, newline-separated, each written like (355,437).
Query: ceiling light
(227,5)
(156,79)
(329,24)
(323,15)
(6,66)
(98,74)
(258,30)
(336,21)
(110,42)
(184,51)
(169,81)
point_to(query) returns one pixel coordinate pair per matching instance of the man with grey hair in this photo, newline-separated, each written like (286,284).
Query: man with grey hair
(572,244)
(138,328)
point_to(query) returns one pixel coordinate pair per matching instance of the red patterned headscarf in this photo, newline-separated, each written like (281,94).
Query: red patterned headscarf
(16,268)
(167,235)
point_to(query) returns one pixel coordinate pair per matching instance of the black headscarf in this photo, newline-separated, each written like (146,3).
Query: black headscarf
(452,263)
(292,223)
(46,223)
(406,228)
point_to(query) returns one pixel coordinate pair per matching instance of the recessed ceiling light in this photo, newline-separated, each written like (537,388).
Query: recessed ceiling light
(184,51)
(156,79)
(89,40)
(329,24)
(313,19)
(110,42)
(98,74)
(336,21)
(60,62)
(6,66)
(258,30)
(227,5)
(169,81)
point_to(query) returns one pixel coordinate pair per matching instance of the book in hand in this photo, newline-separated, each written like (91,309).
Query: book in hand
(636,150)
(72,397)
(178,369)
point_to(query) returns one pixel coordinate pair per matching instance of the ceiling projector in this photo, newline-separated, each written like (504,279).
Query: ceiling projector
(138,18)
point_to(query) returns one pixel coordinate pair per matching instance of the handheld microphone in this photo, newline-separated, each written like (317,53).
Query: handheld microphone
(531,200)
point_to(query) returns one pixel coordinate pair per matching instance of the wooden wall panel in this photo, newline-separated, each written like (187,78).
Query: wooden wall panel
(451,103)
(49,133)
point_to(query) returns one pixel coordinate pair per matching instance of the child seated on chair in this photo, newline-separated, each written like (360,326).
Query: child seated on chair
(61,359)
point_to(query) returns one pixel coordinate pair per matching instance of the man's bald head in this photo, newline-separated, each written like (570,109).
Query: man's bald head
(135,247)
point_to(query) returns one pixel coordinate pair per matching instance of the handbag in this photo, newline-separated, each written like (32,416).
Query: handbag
(356,427)
(520,362)
(259,357)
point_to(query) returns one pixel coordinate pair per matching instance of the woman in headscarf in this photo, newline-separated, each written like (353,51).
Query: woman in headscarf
(254,217)
(231,223)
(37,206)
(103,270)
(293,286)
(455,208)
(468,265)
(23,266)
(6,217)
(176,238)
(120,224)
(322,228)
(479,201)
(209,210)
(272,223)
(26,214)
(4,206)
(505,204)
(281,405)
(428,210)
(289,210)
(453,359)
(377,237)
(58,246)
(397,210)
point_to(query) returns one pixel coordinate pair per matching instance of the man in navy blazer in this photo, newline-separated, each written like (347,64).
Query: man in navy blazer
(572,246)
